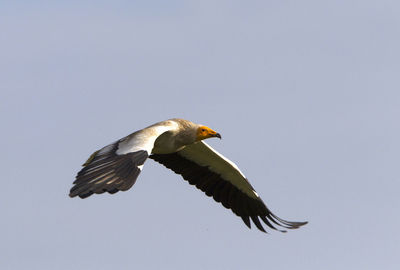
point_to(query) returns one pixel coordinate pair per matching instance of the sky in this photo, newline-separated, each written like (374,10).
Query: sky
(306,95)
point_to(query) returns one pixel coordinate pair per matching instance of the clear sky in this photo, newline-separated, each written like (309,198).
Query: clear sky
(306,95)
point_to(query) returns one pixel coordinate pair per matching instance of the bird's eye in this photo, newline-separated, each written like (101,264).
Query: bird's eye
(203,130)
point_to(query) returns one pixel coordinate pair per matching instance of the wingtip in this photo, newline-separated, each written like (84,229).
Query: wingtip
(76,193)
(286,224)
(272,220)
(258,223)
(246,221)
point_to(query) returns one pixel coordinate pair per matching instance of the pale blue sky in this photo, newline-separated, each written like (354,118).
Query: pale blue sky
(306,95)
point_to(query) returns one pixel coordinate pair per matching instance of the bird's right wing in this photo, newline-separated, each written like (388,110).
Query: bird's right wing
(116,166)
(221,179)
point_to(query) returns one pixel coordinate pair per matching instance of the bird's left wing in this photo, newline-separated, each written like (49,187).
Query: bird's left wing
(116,166)
(221,179)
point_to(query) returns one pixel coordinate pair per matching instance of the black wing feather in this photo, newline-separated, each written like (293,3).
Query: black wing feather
(223,191)
(108,172)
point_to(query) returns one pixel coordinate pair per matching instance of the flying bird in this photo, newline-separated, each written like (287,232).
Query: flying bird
(178,145)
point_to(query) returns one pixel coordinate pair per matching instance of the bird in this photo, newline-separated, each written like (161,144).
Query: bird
(179,145)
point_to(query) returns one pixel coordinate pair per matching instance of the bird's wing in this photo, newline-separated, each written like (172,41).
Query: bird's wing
(116,166)
(221,179)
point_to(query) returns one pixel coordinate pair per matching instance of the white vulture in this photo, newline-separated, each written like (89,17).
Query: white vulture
(178,145)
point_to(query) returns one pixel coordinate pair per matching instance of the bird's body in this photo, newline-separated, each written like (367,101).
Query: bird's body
(177,144)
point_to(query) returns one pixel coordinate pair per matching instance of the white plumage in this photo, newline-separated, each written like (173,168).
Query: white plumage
(178,145)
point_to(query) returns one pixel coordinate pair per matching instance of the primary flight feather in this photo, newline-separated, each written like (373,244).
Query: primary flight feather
(178,145)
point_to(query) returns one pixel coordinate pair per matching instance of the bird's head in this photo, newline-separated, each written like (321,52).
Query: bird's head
(204,132)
